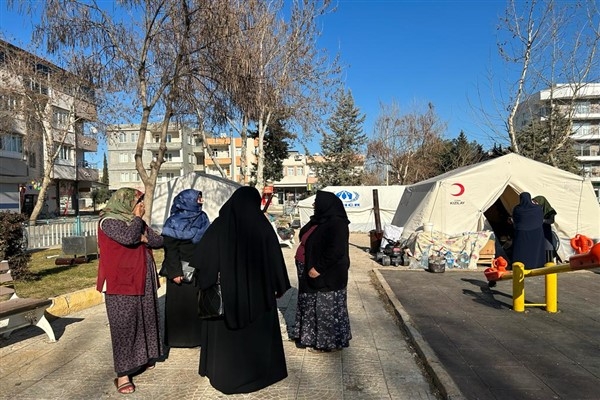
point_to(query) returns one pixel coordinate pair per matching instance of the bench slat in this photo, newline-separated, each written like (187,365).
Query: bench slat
(7,277)
(4,266)
(6,290)
(18,305)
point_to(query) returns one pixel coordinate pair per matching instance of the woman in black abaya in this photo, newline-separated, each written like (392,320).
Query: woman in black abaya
(528,244)
(243,352)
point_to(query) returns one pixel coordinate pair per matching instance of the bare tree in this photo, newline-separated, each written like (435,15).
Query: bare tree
(138,51)
(48,107)
(554,46)
(272,66)
(405,146)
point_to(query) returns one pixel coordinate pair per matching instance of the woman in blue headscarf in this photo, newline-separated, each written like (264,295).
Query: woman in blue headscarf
(528,244)
(182,232)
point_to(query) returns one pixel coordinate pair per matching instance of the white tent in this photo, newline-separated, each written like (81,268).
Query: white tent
(215,191)
(358,201)
(481,196)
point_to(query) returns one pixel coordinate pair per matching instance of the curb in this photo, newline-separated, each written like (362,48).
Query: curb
(441,379)
(66,304)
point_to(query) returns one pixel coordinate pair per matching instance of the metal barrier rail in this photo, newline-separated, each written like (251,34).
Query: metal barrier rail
(550,271)
(48,235)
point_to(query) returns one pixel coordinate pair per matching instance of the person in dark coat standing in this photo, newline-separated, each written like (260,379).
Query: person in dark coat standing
(528,244)
(322,262)
(549,214)
(242,352)
(182,232)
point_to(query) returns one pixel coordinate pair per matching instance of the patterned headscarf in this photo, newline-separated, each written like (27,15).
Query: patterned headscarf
(187,220)
(121,204)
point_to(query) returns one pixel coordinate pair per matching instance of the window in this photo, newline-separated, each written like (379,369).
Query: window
(8,102)
(124,176)
(60,119)
(168,157)
(169,137)
(64,153)
(122,137)
(582,107)
(134,137)
(137,177)
(37,87)
(12,143)
(32,160)
(170,175)
(290,171)
(159,177)
(123,157)
(299,171)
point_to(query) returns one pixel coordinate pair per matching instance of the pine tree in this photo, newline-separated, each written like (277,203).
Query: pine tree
(105,171)
(276,148)
(342,147)
(460,152)
(541,141)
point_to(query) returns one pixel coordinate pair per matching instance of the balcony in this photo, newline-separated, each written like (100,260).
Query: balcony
(87,174)
(153,146)
(87,143)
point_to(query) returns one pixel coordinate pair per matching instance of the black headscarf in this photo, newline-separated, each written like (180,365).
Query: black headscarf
(242,246)
(527,215)
(327,206)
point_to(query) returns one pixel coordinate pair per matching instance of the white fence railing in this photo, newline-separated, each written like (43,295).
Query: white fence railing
(48,235)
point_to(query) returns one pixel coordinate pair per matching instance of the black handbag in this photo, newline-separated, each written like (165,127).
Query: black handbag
(210,302)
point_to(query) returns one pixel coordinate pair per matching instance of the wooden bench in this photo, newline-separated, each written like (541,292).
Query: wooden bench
(16,312)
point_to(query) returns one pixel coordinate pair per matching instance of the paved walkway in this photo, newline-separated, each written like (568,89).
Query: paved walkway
(379,364)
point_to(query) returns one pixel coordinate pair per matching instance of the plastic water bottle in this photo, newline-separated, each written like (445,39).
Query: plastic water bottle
(463,260)
(449,260)
(425,258)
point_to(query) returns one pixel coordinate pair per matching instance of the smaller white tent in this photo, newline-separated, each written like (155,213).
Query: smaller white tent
(481,196)
(358,201)
(215,191)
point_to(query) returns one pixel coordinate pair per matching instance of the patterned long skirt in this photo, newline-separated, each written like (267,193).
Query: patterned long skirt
(134,328)
(322,320)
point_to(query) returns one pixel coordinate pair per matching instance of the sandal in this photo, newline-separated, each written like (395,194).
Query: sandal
(126,388)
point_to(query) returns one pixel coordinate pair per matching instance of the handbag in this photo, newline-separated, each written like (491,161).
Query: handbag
(188,271)
(210,302)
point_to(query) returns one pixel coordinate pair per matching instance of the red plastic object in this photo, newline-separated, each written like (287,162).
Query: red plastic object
(591,259)
(497,269)
(581,244)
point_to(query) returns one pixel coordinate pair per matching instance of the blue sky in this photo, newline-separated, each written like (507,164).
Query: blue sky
(416,52)
(412,52)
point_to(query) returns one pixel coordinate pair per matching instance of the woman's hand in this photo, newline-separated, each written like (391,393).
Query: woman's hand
(313,273)
(139,210)
(178,279)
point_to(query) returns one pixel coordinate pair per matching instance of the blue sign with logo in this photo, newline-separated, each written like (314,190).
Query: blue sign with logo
(349,199)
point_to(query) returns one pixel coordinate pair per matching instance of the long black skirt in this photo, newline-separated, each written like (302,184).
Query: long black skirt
(243,360)
(182,325)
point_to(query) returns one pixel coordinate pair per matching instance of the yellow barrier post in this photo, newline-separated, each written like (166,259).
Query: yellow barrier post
(551,291)
(518,272)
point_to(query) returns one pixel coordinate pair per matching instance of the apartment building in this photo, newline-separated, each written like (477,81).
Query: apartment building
(185,153)
(23,149)
(298,177)
(583,107)
(226,151)
(179,159)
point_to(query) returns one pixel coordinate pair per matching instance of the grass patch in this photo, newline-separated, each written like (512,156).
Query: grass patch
(51,280)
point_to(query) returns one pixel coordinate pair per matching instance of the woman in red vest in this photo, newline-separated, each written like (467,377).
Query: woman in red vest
(127,276)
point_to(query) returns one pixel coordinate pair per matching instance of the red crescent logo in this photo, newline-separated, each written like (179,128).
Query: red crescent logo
(461,189)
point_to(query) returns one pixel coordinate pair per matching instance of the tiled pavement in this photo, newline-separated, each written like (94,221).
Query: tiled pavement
(379,364)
